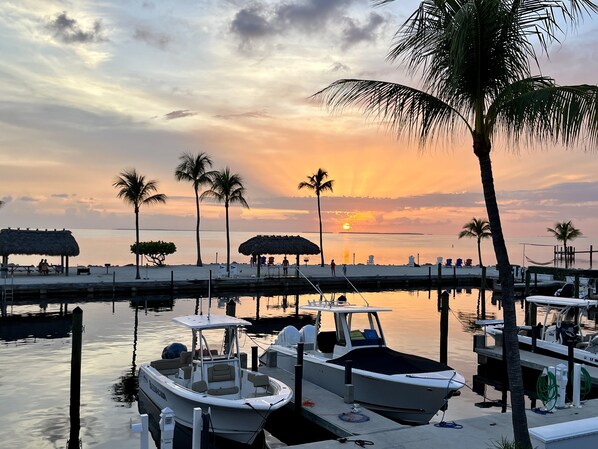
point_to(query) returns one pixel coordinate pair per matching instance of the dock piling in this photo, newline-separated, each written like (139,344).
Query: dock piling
(444,308)
(75,404)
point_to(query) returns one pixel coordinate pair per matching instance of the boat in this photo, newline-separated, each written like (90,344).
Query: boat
(404,387)
(210,376)
(565,321)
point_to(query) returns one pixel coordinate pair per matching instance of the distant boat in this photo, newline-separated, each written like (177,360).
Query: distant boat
(210,376)
(403,387)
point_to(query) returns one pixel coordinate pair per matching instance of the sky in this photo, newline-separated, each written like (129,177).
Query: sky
(92,88)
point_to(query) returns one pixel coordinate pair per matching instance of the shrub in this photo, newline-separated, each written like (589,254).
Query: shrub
(155,252)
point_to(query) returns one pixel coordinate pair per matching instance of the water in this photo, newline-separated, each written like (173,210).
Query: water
(35,371)
(100,246)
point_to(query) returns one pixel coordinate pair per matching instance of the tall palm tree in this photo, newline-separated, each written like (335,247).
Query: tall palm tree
(227,188)
(475,59)
(194,169)
(317,183)
(564,232)
(136,191)
(477,228)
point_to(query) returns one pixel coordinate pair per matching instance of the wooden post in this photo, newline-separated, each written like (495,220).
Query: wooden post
(259,264)
(454,276)
(254,358)
(75,404)
(483,283)
(299,378)
(430,277)
(439,275)
(576,287)
(590,257)
(444,327)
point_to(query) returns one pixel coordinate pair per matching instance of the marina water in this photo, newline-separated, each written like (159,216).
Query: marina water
(118,335)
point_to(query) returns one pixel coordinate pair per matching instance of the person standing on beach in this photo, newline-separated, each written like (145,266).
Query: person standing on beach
(285,266)
(344,269)
(332,267)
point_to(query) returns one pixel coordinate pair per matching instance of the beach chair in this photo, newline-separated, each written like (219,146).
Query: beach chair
(222,271)
(459,263)
(449,263)
(468,262)
(233,271)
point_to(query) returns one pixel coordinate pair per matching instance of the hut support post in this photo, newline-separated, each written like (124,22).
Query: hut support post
(297,267)
(66,268)
(259,264)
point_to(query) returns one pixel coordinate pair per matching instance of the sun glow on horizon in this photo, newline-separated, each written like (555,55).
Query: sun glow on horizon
(346,226)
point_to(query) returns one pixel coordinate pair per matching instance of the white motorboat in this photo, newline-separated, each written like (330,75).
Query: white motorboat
(210,376)
(403,387)
(565,320)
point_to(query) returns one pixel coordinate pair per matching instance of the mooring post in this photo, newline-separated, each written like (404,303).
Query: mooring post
(430,277)
(254,358)
(590,257)
(439,276)
(197,428)
(171,281)
(349,387)
(75,405)
(444,327)
(299,377)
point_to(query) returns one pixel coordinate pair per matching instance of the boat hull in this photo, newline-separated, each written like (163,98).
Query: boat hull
(408,398)
(236,420)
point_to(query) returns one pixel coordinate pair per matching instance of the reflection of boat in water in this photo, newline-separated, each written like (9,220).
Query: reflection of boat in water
(565,320)
(46,325)
(401,386)
(239,400)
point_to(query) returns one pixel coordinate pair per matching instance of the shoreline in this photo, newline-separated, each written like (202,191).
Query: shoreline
(110,281)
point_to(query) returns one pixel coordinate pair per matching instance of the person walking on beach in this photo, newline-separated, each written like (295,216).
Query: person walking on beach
(285,266)
(333,267)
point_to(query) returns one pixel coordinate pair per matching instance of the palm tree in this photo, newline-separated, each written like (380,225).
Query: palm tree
(316,183)
(477,228)
(475,59)
(564,232)
(227,188)
(135,190)
(193,168)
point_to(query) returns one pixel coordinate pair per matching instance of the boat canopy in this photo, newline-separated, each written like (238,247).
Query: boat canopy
(562,302)
(196,322)
(336,307)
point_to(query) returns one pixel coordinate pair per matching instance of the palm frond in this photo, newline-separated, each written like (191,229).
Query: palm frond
(401,109)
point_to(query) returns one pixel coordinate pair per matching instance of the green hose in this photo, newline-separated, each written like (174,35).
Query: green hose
(546,388)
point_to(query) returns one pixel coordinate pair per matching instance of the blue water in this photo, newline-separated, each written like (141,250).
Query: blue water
(35,371)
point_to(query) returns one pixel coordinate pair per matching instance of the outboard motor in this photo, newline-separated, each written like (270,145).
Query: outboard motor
(173,350)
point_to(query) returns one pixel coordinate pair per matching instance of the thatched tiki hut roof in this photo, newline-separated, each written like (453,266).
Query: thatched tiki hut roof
(46,243)
(277,244)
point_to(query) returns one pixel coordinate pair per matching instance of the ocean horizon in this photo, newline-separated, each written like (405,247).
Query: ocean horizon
(103,246)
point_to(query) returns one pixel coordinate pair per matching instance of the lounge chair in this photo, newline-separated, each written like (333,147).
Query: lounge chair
(449,263)
(459,263)
(468,262)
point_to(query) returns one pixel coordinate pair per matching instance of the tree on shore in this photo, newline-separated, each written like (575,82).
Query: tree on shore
(194,169)
(564,232)
(479,229)
(475,58)
(227,188)
(317,183)
(136,191)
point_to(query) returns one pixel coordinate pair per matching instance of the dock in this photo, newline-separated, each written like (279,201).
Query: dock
(324,408)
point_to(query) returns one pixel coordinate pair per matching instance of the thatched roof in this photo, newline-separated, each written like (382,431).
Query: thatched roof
(47,243)
(278,244)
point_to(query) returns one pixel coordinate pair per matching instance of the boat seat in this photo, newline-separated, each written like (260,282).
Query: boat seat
(200,386)
(223,391)
(259,381)
(221,373)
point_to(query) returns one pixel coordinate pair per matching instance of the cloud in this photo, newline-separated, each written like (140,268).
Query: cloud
(152,38)
(182,113)
(68,30)
(27,199)
(63,195)
(313,16)
(340,67)
(353,33)
(249,114)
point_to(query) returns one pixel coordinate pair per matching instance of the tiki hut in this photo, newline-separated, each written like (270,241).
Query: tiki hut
(277,244)
(45,242)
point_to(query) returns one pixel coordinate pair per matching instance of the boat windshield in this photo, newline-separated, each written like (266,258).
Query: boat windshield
(364,328)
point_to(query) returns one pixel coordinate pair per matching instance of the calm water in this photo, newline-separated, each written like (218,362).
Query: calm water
(113,246)
(35,372)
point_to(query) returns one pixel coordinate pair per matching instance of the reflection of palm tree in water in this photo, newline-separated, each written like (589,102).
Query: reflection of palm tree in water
(125,391)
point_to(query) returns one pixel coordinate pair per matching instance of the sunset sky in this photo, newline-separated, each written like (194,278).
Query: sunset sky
(91,88)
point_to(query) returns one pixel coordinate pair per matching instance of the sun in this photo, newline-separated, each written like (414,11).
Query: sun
(346,226)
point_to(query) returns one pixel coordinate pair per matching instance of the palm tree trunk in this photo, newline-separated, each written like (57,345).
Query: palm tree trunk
(320,220)
(480,251)
(137,242)
(511,345)
(227,243)
(565,253)
(199,262)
